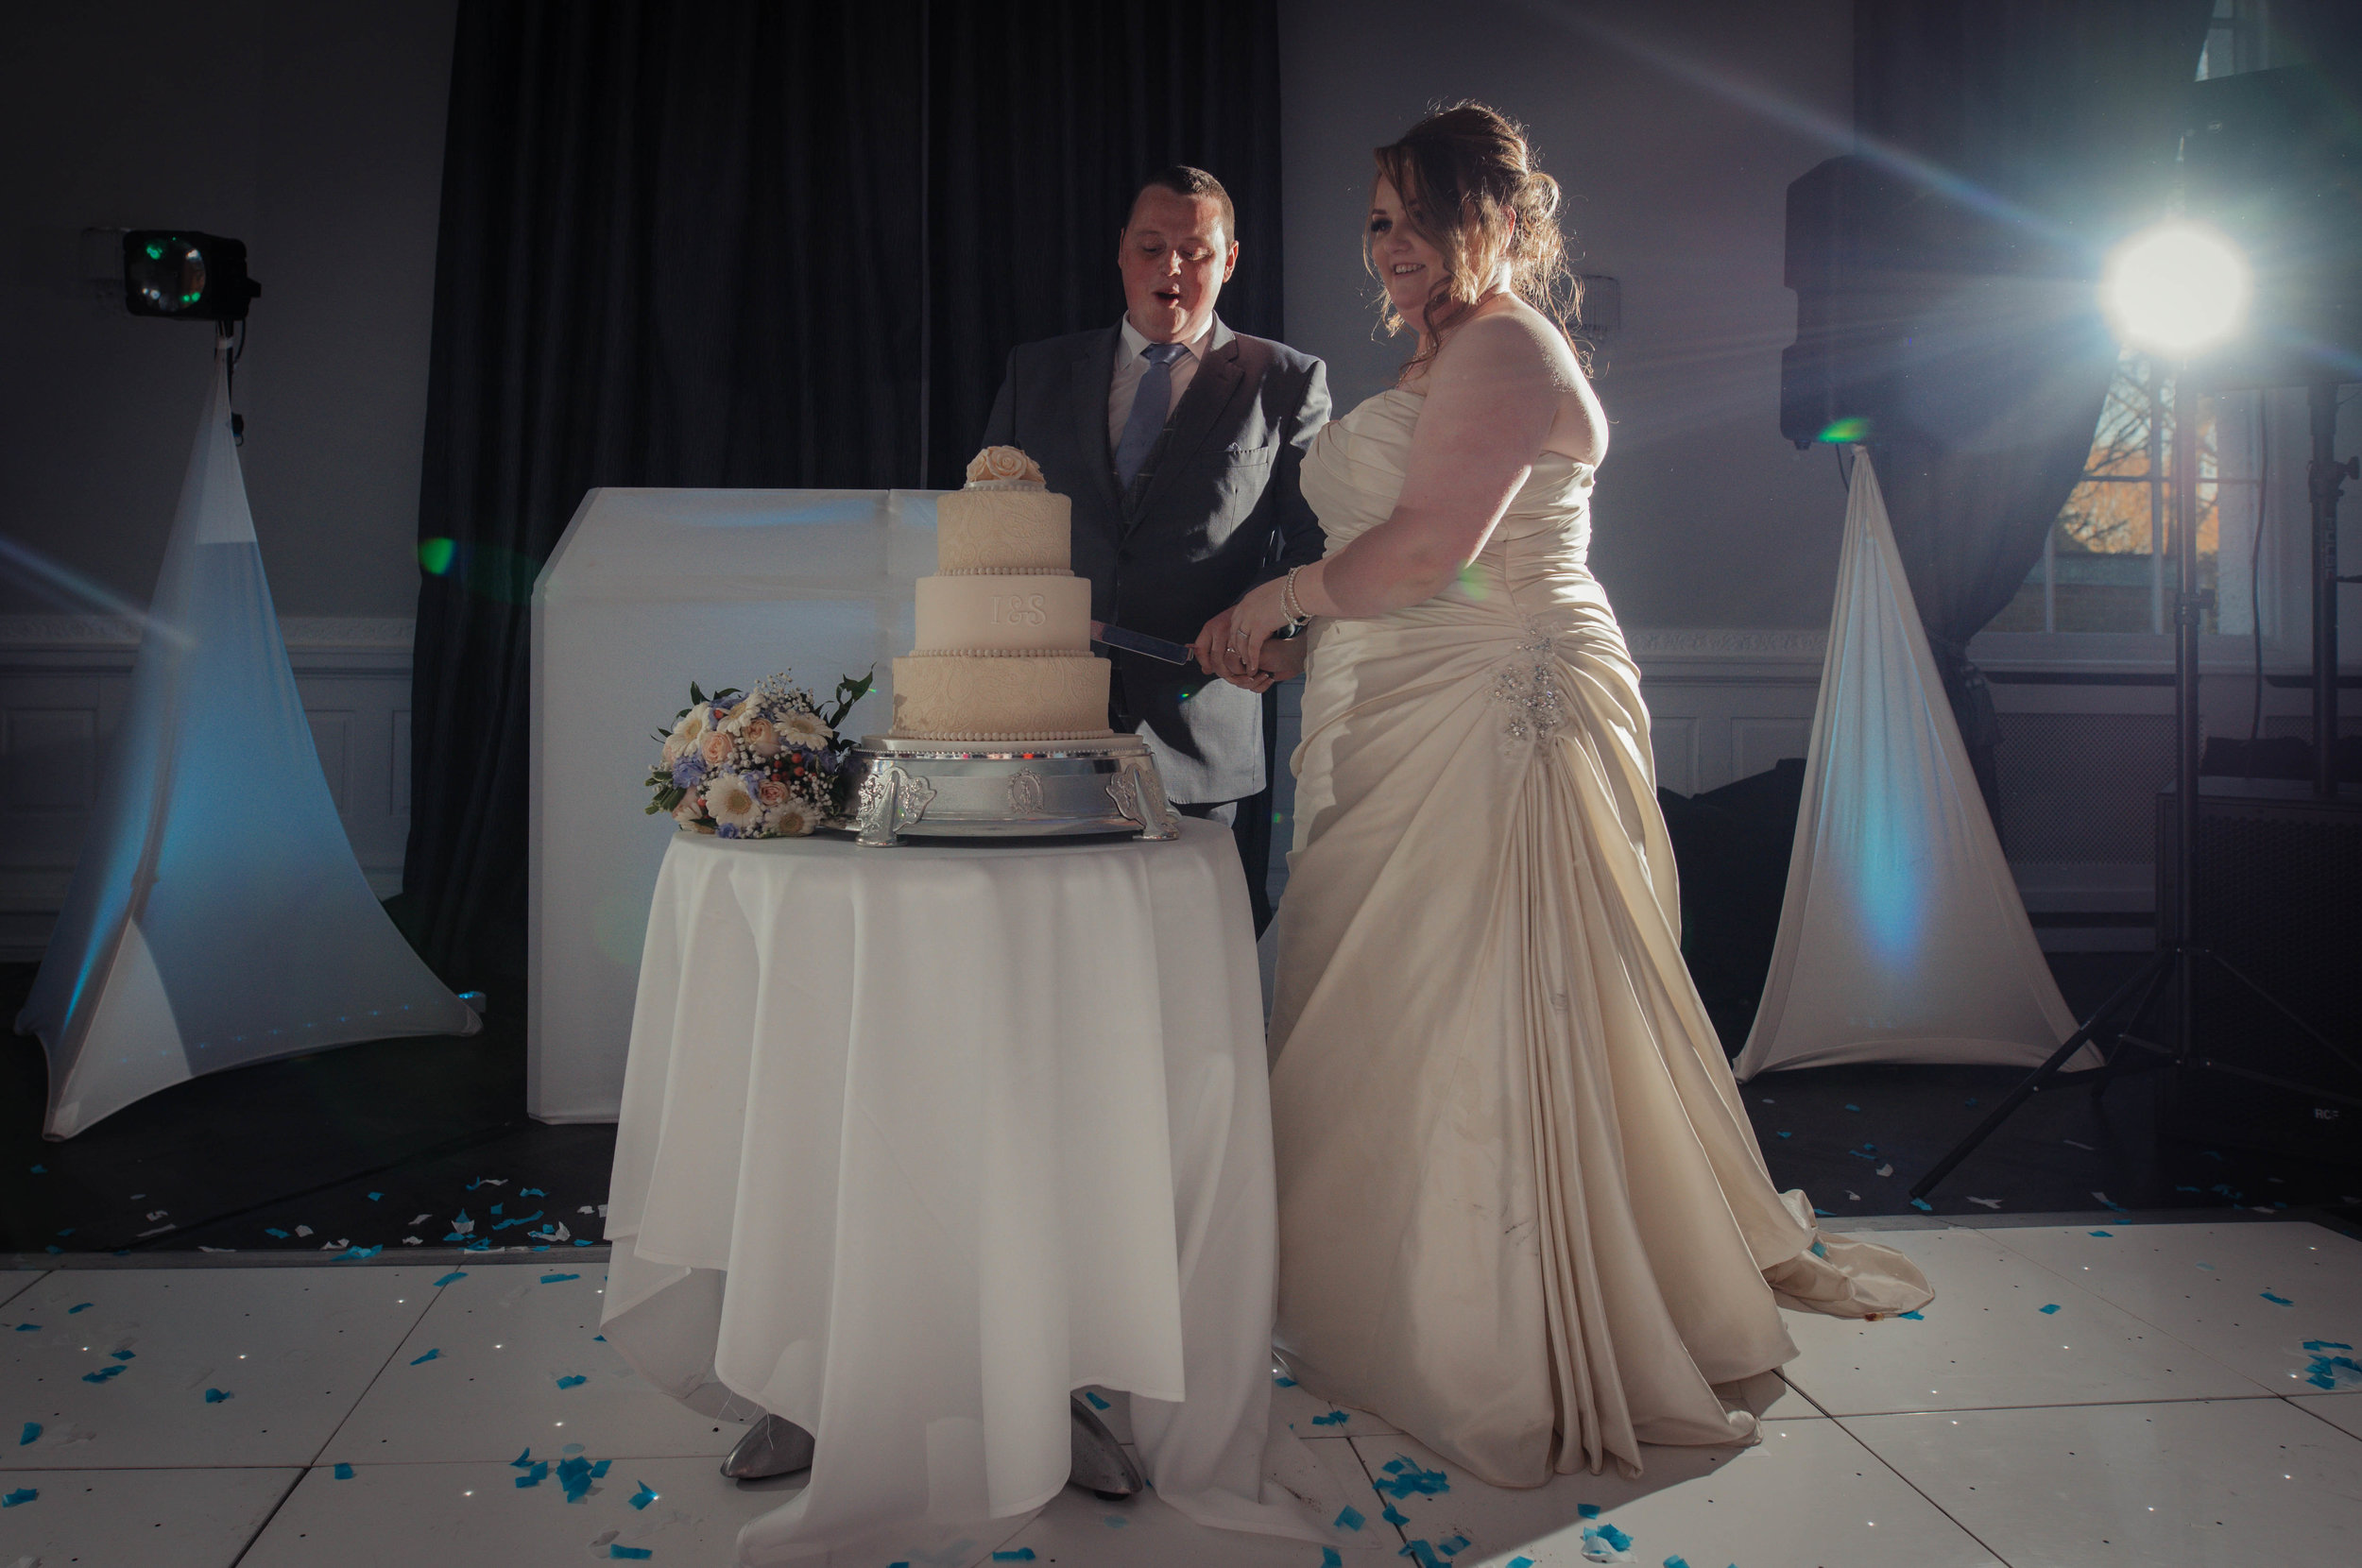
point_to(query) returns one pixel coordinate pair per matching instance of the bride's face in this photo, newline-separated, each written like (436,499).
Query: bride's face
(1411,268)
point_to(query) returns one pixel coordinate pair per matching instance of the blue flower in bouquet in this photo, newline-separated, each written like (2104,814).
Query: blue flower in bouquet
(688,771)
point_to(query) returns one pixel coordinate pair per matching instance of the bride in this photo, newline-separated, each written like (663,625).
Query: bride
(1523,1215)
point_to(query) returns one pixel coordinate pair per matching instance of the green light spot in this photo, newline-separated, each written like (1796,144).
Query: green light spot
(434,554)
(1472,582)
(191,298)
(155,252)
(1852,427)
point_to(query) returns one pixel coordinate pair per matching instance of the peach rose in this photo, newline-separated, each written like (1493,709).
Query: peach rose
(715,748)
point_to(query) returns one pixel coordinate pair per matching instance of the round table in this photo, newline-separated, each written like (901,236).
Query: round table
(915,1140)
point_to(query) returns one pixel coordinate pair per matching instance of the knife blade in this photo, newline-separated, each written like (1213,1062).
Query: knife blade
(1140,642)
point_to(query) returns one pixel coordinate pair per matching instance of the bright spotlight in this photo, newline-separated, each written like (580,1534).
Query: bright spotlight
(2176,289)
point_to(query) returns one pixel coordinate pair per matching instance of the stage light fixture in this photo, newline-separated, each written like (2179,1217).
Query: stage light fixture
(2176,289)
(183,274)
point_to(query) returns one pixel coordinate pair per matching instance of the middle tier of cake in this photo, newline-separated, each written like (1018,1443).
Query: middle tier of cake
(997,612)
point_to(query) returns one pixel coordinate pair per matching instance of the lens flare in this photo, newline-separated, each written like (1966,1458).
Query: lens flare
(2175,289)
(1852,428)
(434,554)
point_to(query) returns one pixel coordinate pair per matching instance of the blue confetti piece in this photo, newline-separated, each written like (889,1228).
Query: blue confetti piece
(576,1475)
(1395,1515)
(1617,1540)
(102,1374)
(84,1307)
(1334,1418)
(1023,1554)
(356,1253)
(375,1195)
(496,1208)
(32,1434)
(2317,1345)
(1423,1554)
(22,1495)
(454,1275)
(1853,1107)
(1096,1402)
(559,1279)
(1405,1478)
(68,1231)
(273,1230)
(642,1498)
(2103,1232)
(524,1459)
(1114,1521)
(1352,1519)
(1454,1546)
(1788,1134)
(535,1475)
(1820,1251)
(1329,1558)
(1587,1511)
(582,1241)
(28,1328)
(428,1356)
(630,1554)
(531,1192)
(576,1381)
(2276,1300)
(1279,1382)
(41,1170)
(344,1472)
(1824,1213)
(1676,1562)
(1922,1205)
(1914,1316)
(125,1355)
(1521,1562)
(2051,1308)
(215,1396)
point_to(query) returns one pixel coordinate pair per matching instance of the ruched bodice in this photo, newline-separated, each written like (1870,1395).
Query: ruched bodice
(1522,1213)
(1354,473)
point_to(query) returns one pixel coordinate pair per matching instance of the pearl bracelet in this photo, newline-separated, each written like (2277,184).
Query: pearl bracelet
(1288,602)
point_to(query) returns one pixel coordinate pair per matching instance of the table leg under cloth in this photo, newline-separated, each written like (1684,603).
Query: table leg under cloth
(913,1141)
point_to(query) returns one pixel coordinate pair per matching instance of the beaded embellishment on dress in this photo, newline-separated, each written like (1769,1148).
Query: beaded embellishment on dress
(1527,684)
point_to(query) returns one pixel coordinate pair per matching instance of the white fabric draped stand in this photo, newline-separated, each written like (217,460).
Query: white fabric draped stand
(1902,937)
(916,1140)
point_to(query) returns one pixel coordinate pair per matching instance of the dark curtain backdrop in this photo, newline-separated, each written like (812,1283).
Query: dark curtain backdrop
(2059,123)
(748,243)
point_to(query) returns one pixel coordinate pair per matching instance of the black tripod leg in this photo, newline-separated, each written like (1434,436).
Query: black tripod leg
(2117,1047)
(2147,975)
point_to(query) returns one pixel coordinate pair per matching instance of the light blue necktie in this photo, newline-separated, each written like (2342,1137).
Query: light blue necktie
(1149,404)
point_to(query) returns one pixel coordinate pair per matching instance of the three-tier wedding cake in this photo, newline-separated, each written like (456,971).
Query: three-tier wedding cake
(1004,647)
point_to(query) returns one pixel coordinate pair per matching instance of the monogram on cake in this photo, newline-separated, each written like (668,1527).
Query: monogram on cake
(1004,645)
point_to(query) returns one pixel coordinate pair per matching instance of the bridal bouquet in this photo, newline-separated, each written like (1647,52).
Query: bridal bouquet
(760,764)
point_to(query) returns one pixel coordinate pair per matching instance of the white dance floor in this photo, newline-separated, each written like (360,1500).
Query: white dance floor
(2088,1392)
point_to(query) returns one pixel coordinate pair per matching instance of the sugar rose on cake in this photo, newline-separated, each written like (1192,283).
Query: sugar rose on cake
(1004,647)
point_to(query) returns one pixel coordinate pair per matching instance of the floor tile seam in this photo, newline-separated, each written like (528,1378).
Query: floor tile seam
(324,1462)
(2298,1401)
(37,1278)
(393,1353)
(1825,1414)
(1353,1446)
(1887,1465)
(2052,1404)
(264,1525)
(278,1257)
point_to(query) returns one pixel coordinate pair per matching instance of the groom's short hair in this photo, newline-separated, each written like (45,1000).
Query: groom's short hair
(1181,179)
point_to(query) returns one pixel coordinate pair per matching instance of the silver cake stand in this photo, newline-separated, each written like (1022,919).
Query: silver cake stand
(1006,789)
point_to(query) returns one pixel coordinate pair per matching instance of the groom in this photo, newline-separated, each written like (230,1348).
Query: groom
(1179,441)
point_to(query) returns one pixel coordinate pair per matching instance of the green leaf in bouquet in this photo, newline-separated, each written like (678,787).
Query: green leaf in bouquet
(695,696)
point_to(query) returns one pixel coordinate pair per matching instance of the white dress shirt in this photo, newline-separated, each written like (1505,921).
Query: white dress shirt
(1130,368)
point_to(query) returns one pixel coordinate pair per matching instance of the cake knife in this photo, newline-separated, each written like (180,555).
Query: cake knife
(1140,642)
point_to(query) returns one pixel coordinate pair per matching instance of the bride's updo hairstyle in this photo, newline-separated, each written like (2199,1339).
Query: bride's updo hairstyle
(1469,188)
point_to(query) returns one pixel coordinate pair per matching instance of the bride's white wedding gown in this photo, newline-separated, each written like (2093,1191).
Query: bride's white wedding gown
(1523,1215)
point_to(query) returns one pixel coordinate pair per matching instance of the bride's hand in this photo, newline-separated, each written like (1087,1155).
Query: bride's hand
(1232,643)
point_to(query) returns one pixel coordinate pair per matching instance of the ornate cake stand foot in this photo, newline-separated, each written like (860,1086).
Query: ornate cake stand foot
(1100,1462)
(773,1446)
(1138,793)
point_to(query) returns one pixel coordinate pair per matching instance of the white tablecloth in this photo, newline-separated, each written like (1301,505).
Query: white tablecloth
(916,1140)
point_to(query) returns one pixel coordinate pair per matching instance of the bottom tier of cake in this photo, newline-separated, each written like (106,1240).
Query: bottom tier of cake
(1020,697)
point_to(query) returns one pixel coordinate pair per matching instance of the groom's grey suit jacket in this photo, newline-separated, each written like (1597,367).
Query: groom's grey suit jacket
(1215,510)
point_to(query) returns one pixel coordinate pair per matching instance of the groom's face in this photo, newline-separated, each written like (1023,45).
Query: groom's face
(1174,258)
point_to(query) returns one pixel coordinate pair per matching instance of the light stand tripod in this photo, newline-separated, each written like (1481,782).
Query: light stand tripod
(2175,963)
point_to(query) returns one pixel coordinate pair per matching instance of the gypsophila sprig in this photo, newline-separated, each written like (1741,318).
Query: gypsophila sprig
(761,764)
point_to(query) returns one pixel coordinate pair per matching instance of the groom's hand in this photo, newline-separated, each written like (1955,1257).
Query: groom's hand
(1208,644)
